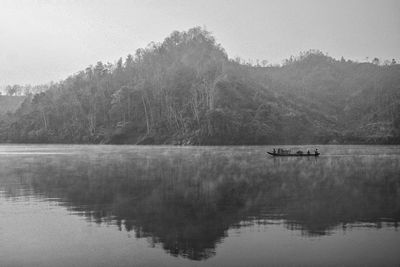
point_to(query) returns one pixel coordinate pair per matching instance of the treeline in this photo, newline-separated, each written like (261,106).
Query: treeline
(186,90)
(23,90)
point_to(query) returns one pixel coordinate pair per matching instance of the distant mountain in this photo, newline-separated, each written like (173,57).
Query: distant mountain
(187,91)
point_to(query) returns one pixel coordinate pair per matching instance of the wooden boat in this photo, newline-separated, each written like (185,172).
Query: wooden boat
(294,154)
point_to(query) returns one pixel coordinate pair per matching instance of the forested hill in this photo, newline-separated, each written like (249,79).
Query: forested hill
(10,103)
(187,91)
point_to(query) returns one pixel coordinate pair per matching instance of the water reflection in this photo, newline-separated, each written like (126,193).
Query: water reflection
(187,199)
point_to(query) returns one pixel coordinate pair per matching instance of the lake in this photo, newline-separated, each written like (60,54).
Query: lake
(90,205)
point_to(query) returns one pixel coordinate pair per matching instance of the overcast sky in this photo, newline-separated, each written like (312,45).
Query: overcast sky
(45,40)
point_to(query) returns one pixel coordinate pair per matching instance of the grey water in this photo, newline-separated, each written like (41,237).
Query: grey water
(88,205)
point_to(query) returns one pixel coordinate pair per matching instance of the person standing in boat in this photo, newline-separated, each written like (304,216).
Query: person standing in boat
(316,151)
(308,152)
(274,151)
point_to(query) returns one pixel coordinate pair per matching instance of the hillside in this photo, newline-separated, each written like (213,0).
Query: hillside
(362,98)
(187,91)
(10,103)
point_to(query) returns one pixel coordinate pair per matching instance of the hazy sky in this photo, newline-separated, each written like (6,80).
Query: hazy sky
(44,40)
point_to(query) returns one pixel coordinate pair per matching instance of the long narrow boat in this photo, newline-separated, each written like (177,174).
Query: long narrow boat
(294,154)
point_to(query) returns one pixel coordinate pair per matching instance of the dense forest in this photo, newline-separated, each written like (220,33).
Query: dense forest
(10,103)
(186,90)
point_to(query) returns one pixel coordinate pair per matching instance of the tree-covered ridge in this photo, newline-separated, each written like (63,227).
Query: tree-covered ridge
(355,95)
(10,103)
(186,90)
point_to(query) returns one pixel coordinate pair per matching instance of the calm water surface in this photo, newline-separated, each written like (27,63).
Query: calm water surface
(198,206)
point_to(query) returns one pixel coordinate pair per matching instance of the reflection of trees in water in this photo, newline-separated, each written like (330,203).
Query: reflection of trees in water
(187,203)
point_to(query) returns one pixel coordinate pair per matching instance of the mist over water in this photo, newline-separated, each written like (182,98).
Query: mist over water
(215,206)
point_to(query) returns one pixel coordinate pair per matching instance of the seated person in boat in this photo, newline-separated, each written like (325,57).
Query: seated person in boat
(285,151)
